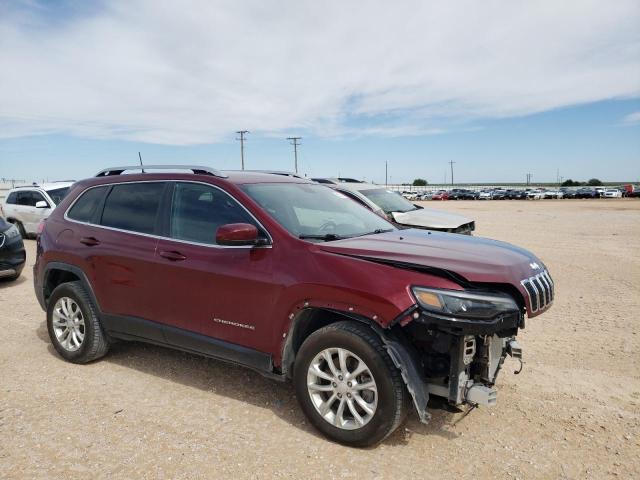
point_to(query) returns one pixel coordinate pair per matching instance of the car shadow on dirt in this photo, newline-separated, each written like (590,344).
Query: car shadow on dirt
(244,385)
(6,283)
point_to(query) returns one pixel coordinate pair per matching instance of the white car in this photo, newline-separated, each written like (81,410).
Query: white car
(27,206)
(535,194)
(484,195)
(612,193)
(399,210)
(553,194)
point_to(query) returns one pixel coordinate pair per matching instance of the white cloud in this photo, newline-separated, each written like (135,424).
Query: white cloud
(631,119)
(195,71)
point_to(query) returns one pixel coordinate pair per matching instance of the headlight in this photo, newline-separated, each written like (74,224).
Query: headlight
(464,304)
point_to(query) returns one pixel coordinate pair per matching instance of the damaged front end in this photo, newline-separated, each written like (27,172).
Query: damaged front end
(454,344)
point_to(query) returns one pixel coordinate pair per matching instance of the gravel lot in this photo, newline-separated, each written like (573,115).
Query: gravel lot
(149,412)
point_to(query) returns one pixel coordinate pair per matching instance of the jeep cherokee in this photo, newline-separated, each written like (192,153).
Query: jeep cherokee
(291,279)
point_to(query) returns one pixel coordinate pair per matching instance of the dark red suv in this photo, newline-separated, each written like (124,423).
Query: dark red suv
(289,278)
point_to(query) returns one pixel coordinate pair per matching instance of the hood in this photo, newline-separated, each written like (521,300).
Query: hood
(426,217)
(474,259)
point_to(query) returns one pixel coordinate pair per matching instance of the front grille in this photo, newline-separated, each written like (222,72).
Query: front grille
(540,290)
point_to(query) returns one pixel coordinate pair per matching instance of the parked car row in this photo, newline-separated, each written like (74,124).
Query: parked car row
(519,194)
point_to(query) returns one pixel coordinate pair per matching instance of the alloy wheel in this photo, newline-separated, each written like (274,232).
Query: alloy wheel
(342,388)
(68,324)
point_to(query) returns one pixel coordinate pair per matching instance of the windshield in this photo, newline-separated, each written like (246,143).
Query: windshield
(388,201)
(58,194)
(315,211)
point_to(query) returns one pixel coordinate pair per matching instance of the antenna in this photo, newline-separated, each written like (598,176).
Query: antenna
(140,157)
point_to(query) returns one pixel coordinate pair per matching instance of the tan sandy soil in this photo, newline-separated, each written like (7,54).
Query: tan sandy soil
(149,412)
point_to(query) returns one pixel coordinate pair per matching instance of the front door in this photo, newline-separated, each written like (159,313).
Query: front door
(218,291)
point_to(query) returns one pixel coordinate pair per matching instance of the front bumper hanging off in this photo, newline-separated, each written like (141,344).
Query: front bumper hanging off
(476,351)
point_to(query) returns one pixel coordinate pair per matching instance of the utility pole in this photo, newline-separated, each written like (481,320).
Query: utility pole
(528,179)
(242,138)
(451,162)
(294,142)
(386,173)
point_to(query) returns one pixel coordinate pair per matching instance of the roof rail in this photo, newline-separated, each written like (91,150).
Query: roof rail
(284,173)
(107,172)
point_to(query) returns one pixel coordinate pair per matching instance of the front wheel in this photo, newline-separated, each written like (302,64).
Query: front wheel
(348,386)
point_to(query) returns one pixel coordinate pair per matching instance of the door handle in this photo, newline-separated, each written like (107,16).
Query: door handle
(172,255)
(90,241)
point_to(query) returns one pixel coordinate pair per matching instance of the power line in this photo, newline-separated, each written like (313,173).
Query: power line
(294,142)
(451,162)
(242,138)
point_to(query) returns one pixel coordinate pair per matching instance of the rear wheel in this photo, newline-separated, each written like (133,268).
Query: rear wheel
(348,386)
(73,324)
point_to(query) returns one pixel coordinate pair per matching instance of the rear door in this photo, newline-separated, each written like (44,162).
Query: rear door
(122,250)
(218,291)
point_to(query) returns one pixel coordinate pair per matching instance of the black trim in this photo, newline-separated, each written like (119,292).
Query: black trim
(77,271)
(138,329)
(503,325)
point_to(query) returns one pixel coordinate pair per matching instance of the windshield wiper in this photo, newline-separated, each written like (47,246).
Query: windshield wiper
(376,231)
(327,237)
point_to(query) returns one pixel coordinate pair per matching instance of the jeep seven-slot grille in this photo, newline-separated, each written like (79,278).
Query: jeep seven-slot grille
(540,290)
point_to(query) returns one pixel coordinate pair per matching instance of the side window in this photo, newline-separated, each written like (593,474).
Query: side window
(133,206)
(198,210)
(37,197)
(24,198)
(85,207)
(12,199)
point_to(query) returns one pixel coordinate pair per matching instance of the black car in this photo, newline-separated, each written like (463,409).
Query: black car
(469,195)
(568,192)
(586,193)
(12,254)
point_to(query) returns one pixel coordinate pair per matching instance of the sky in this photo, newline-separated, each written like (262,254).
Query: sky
(501,88)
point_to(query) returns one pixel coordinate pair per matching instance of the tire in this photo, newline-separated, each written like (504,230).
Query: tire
(391,398)
(23,232)
(94,343)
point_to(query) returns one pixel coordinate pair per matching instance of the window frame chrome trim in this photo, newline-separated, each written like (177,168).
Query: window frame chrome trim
(160,237)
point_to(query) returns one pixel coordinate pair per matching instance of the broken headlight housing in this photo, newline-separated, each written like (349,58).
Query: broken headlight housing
(464,304)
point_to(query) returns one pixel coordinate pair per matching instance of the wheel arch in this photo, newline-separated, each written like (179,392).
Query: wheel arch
(57,273)
(402,353)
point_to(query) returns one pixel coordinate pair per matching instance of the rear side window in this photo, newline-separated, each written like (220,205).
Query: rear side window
(198,210)
(58,194)
(133,206)
(85,207)
(12,198)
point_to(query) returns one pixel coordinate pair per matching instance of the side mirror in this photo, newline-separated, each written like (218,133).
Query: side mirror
(237,235)
(42,204)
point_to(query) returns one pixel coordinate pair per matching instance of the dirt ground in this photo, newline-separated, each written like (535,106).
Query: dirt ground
(149,412)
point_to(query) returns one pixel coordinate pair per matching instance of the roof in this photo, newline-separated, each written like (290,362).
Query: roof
(356,186)
(117,175)
(45,186)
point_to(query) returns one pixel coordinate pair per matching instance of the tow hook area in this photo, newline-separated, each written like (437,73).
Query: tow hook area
(481,395)
(515,350)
